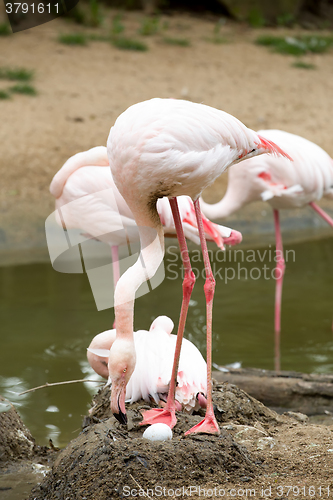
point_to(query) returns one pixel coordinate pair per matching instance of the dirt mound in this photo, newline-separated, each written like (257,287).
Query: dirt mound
(107,459)
(104,461)
(15,439)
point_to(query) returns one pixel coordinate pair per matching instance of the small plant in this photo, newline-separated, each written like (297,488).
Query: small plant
(117,26)
(5,29)
(149,26)
(16,74)
(182,42)
(303,65)
(95,16)
(4,95)
(256,19)
(285,20)
(73,39)
(77,15)
(129,44)
(296,46)
(23,89)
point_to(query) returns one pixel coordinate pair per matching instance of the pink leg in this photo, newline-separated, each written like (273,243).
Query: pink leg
(322,213)
(116,269)
(279,273)
(209,424)
(325,216)
(168,414)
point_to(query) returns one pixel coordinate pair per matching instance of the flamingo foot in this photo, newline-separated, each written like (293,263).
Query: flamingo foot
(159,416)
(208,426)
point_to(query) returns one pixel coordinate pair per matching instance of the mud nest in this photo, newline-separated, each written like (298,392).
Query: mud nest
(108,460)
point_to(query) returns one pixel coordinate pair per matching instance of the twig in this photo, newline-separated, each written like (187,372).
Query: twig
(59,383)
(139,486)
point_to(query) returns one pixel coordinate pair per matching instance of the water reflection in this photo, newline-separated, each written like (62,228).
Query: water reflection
(48,319)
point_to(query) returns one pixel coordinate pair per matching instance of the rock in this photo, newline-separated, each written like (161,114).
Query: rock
(265,443)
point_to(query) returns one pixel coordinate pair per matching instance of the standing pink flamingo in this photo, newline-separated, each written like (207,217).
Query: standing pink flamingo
(101,211)
(283,185)
(157,148)
(154,357)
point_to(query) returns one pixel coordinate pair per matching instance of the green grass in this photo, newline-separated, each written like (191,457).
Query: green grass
(285,20)
(25,89)
(182,42)
(95,15)
(16,74)
(77,15)
(129,44)
(149,26)
(4,95)
(5,29)
(256,19)
(117,27)
(303,65)
(298,45)
(73,39)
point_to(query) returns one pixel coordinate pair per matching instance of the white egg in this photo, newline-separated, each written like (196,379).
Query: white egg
(158,432)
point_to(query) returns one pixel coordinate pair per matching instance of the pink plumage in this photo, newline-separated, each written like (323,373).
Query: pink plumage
(89,199)
(154,357)
(283,184)
(157,148)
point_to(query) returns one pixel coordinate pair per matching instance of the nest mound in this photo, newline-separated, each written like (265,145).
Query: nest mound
(108,460)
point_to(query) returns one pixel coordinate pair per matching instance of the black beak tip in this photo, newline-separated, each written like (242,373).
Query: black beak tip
(121,417)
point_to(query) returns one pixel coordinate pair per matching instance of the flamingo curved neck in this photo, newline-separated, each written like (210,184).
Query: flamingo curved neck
(225,207)
(151,256)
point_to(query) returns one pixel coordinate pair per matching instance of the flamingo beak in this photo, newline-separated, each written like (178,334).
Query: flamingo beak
(118,390)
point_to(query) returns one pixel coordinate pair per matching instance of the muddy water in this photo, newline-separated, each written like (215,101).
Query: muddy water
(48,319)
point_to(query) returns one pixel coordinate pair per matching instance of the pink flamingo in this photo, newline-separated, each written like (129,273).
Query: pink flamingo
(157,148)
(154,357)
(283,185)
(101,211)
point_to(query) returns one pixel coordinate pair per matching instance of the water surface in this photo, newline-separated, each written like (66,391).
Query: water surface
(48,319)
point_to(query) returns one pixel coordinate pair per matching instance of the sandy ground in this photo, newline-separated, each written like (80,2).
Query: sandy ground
(82,90)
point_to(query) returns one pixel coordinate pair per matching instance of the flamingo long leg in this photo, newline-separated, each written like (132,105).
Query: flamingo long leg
(209,424)
(325,216)
(168,414)
(322,213)
(279,273)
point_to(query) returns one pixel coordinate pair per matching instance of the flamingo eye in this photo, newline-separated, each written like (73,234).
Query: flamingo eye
(124,370)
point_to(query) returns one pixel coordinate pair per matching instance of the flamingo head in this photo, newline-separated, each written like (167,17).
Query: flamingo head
(121,366)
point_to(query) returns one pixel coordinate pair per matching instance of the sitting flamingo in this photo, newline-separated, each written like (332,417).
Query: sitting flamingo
(282,184)
(157,148)
(154,357)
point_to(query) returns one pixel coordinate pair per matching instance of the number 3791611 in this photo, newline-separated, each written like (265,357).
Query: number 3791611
(38,8)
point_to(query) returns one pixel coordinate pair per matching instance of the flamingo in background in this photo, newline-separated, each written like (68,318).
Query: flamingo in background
(102,213)
(283,185)
(154,357)
(157,148)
